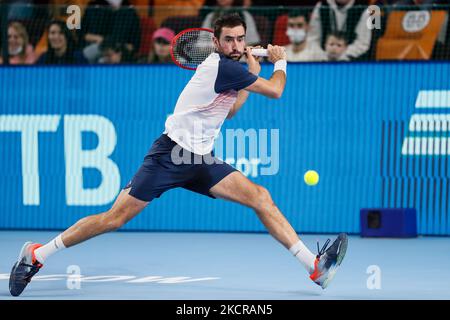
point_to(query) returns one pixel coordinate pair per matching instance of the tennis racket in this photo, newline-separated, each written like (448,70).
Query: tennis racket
(191,47)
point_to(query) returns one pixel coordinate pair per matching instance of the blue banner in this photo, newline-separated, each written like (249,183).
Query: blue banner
(377,134)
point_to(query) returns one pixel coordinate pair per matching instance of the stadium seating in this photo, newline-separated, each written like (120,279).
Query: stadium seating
(178,23)
(279,34)
(400,44)
(147,28)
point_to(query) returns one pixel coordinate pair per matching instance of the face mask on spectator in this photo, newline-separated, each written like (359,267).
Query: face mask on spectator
(16,51)
(296,36)
(115,3)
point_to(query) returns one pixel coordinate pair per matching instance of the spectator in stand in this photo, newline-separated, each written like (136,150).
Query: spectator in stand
(113,52)
(19,49)
(109,18)
(33,14)
(335,47)
(344,16)
(61,46)
(300,48)
(160,52)
(225,6)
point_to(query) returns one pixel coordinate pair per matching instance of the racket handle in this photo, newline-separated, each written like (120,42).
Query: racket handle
(259,52)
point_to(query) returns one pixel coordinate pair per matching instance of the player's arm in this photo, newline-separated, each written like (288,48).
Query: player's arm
(253,67)
(240,100)
(274,87)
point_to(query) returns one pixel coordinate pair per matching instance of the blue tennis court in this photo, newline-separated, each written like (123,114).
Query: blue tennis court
(211,266)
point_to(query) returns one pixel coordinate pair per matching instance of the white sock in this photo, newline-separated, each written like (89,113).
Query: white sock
(305,256)
(50,248)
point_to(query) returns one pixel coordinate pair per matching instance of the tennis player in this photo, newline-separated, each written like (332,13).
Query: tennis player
(182,157)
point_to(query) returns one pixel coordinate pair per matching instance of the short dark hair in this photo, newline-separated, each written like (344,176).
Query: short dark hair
(338,35)
(299,13)
(71,44)
(110,44)
(229,20)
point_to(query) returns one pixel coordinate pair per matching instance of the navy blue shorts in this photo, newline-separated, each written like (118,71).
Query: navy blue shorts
(159,173)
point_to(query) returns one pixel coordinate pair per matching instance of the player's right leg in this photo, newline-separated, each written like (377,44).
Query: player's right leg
(124,209)
(322,268)
(33,255)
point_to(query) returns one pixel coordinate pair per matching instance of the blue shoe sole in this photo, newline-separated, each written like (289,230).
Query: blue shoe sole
(340,257)
(16,286)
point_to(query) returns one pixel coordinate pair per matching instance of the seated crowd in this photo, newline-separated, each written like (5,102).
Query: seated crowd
(115,31)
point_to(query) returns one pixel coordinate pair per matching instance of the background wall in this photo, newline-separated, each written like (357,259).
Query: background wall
(347,121)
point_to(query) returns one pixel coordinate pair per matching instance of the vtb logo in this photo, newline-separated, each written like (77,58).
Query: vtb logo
(429,127)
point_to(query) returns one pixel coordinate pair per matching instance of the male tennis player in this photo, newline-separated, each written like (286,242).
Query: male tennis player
(217,90)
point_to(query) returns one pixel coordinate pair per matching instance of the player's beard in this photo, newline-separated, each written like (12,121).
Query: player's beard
(234,55)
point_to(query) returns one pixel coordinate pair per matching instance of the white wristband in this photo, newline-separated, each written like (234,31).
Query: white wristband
(280,65)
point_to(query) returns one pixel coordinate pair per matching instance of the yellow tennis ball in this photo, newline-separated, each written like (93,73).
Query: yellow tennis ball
(311,177)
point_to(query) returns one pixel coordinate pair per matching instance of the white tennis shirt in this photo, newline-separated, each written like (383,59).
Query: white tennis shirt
(205,102)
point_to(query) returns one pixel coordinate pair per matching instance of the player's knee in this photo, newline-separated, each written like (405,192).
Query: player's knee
(113,220)
(262,197)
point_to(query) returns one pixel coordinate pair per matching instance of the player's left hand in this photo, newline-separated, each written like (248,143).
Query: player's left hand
(276,53)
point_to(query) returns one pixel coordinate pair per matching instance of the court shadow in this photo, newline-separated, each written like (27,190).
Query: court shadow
(305,293)
(44,294)
(277,294)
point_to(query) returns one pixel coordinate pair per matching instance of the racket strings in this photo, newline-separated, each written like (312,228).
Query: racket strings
(193,47)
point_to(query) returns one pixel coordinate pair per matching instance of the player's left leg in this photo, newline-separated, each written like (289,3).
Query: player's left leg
(238,188)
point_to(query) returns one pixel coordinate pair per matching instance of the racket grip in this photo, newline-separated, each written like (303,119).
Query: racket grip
(259,52)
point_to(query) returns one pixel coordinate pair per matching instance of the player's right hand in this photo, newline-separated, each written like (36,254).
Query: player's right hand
(275,53)
(253,64)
